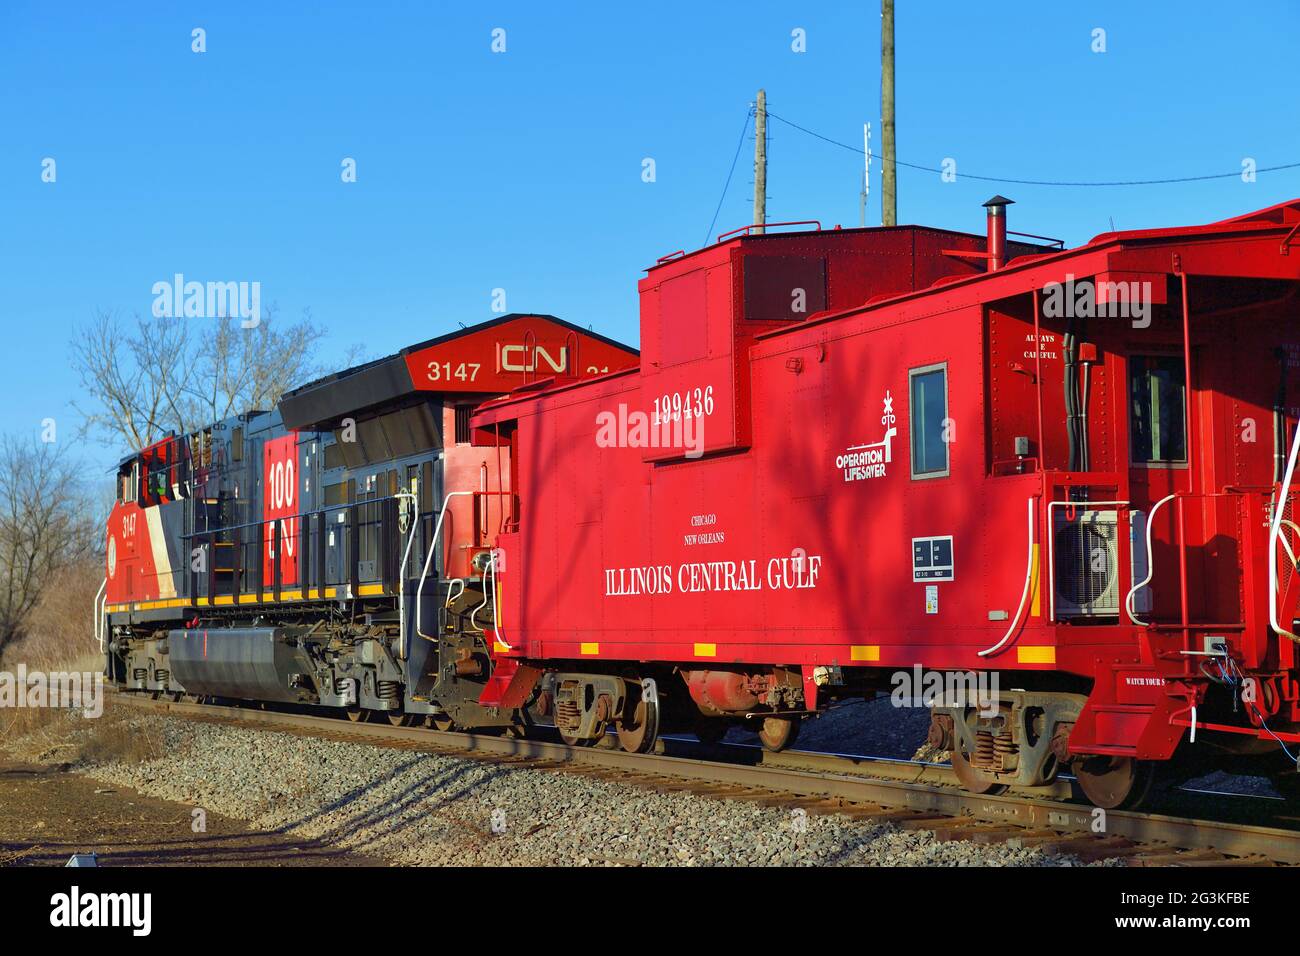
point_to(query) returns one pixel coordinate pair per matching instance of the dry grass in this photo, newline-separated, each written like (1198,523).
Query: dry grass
(60,637)
(61,631)
(114,738)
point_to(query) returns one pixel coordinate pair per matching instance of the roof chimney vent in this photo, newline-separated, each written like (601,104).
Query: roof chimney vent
(997,225)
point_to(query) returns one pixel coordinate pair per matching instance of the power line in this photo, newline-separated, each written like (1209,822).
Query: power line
(1032,182)
(730,173)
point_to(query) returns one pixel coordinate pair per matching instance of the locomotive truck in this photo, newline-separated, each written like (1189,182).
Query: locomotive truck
(841,455)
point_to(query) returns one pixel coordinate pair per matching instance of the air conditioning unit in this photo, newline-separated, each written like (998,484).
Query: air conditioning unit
(1086,557)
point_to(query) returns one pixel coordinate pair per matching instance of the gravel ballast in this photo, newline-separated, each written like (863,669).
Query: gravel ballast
(426,809)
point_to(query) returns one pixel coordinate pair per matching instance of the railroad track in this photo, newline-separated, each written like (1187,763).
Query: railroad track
(910,795)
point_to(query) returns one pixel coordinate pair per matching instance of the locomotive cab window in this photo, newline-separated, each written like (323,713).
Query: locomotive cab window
(928,410)
(1157,426)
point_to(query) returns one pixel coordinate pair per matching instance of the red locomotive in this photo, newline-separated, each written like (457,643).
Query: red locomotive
(1062,474)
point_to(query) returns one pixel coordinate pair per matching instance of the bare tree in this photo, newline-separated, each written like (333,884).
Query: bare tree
(46,526)
(144,377)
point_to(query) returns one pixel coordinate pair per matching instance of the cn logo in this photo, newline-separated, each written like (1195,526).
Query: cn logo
(515,358)
(282,500)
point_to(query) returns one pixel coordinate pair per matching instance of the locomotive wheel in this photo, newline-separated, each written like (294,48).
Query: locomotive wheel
(968,777)
(1115,783)
(778,733)
(356,715)
(638,734)
(399,719)
(441,722)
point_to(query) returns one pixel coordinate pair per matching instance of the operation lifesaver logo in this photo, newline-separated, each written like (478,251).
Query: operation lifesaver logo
(864,462)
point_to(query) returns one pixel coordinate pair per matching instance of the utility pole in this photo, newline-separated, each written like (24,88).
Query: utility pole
(760,163)
(866,175)
(888,184)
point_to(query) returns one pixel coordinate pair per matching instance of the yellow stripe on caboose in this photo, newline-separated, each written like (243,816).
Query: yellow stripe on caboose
(1036,654)
(590,648)
(865,652)
(706,650)
(1036,607)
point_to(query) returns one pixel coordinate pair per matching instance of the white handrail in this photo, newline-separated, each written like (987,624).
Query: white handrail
(433,544)
(101,631)
(401,578)
(490,575)
(1151,564)
(1273,533)
(1024,595)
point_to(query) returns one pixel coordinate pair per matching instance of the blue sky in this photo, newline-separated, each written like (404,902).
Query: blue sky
(522,170)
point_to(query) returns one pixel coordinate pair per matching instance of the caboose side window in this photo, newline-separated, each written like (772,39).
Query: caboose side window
(928,388)
(1156,426)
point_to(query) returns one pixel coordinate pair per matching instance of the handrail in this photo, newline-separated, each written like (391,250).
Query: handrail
(1024,595)
(1273,534)
(301,514)
(1151,563)
(401,577)
(490,580)
(101,630)
(1059,243)
(771,225)
(433,544)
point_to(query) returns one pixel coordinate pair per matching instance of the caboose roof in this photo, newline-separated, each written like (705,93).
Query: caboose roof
(1033,271)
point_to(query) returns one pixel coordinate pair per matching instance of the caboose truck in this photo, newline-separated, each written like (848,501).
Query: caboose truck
(843,454)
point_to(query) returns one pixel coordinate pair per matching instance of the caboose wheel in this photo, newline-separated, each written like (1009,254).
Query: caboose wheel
(442,722)
(969,778)
(1115,783)
(777,733)
(637,734)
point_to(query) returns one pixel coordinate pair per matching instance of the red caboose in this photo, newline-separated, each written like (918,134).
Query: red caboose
(849,453)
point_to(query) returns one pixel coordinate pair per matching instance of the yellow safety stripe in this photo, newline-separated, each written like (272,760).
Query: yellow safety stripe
(221,600)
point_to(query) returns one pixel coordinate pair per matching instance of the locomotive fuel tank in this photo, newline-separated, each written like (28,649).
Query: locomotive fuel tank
(252,663)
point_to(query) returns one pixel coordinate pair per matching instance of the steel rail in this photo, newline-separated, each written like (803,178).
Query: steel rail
(902,785)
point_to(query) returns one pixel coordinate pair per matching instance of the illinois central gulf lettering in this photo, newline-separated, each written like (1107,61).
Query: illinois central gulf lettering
(700,577)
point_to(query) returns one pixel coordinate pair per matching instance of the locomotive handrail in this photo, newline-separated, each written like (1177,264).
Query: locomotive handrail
(304,534)
(300,514)
(401,578)
(101,631)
